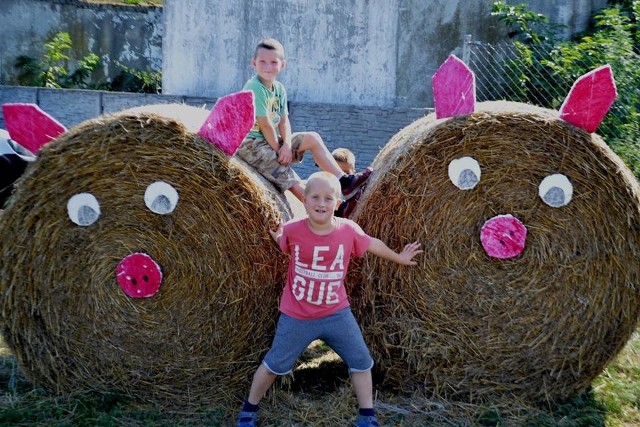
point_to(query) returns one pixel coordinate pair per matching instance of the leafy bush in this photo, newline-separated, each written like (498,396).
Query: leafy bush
(547,65)
(53,69)
(131,80)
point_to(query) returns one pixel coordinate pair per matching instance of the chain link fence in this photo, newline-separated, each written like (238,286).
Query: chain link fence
(506,71)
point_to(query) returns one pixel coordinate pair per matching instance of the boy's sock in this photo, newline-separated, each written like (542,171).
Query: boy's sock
(249,407)
(366,412)
(367,418)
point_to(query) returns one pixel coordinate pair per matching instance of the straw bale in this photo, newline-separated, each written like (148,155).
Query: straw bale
(468,326)
(199,338)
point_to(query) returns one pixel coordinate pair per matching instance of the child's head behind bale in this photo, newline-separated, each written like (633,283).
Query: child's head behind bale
(196,336)
(535,312)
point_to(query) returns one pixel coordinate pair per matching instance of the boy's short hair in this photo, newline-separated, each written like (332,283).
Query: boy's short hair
(269,44)
(344,155)
(327,177)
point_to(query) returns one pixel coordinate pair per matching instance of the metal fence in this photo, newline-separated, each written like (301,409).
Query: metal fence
(504,72)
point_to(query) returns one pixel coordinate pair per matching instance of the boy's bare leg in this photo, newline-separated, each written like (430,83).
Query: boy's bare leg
(262,380)
(298,190)
(312,141)
(363,388)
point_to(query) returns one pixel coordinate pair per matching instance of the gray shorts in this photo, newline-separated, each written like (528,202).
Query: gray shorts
(340,331)
(259,154)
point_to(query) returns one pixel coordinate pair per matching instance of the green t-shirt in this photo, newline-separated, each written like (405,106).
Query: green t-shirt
(268,103)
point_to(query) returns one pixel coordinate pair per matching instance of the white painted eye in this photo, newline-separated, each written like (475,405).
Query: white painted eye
(161,197)
(464,172)
(556,190)
(83,209)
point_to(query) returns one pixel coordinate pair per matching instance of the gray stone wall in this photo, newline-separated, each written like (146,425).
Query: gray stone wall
(131,35)
(359,52)
(358,70)
(356,52)
(364,130)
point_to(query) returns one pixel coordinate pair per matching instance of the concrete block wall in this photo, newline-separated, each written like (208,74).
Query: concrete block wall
(364,130)
(360,52)
(357,52)
(130,35)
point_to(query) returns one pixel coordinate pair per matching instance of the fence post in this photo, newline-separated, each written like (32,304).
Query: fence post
(466,48)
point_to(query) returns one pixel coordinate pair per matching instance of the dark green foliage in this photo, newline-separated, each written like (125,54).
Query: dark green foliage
(544,67)
(521,21)
(28,71)
(130,80)
(53,69)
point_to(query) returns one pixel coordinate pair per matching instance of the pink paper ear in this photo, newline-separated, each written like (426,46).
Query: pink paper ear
(230,121)
(589,99)
(29,126)
(454,89)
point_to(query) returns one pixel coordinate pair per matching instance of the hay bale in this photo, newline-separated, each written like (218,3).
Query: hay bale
(73,328)
(470,326)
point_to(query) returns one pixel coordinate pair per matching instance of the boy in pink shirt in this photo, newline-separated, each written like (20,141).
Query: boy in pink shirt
(314,303)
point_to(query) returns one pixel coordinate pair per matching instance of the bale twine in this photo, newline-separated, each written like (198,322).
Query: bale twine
(199,338)
(472,327)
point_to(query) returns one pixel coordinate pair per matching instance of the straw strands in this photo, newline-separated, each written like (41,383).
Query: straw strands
(199,338)
(476,328)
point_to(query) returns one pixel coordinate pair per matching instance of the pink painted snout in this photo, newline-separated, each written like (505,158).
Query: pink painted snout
(503,236)
(139,275)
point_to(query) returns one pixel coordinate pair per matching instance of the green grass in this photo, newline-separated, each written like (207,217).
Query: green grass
(612,401)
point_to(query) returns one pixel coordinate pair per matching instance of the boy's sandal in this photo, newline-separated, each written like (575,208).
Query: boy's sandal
(247,419)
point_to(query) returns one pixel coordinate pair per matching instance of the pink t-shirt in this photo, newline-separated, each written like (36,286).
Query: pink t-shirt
(318,266)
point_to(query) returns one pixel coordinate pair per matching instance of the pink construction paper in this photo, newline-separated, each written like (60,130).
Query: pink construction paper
(29,126)
(589,99)
(230,121)
(454,89)
(503,236)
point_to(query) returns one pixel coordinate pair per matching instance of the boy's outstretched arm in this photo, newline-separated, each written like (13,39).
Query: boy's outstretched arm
(379,248)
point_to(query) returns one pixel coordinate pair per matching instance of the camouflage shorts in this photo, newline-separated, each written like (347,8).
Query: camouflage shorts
(259,154)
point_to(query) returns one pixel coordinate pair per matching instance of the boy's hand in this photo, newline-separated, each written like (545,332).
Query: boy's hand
(276,234)
(410,250)
(379,248)
(285,155)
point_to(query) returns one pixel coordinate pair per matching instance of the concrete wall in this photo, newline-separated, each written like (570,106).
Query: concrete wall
(131,35)
(359,52)
(359,70)
(364,130)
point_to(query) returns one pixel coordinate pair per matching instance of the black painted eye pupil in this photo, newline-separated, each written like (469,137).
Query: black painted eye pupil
(134,282)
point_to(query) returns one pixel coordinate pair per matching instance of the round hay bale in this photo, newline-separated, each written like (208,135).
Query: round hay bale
(539,325)
(74,328)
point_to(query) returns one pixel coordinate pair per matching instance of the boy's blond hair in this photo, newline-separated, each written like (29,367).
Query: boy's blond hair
(344,155)
(327,177)
(269,44)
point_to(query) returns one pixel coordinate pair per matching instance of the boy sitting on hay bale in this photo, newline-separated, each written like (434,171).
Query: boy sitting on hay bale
(314,304)
(271,133)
